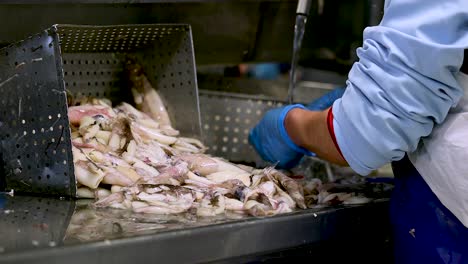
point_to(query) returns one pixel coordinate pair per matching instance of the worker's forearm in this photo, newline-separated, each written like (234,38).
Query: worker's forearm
(309,130)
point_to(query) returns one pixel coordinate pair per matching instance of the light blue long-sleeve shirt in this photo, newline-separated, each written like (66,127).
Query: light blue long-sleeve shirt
(404,82)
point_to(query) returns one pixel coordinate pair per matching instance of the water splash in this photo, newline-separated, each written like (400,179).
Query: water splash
(299,29)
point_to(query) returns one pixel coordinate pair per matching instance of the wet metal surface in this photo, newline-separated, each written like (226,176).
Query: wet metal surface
(38,229)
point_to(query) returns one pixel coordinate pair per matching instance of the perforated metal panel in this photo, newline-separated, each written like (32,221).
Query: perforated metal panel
(95,74)
(94,57)
(89,61)
(34,124)
(122,38)
(230,107)
(33,222)
(227,119)
(170,65)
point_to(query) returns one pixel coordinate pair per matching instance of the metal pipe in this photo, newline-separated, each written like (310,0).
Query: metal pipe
(303,7)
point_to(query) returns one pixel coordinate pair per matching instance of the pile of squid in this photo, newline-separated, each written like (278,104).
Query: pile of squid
(130,157)
(127,160)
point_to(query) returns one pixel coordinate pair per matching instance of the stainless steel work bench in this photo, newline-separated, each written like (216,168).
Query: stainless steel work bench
(43,230)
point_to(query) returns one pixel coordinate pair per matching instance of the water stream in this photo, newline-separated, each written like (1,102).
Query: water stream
(299,30)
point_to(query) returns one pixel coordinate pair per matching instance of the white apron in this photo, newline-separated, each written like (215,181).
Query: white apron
(442,158)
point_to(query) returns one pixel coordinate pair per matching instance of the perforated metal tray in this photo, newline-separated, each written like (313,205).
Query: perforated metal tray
(227,119)
(86,61)
(230,107)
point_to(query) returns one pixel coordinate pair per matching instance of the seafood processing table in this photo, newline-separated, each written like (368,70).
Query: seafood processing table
(59,54)
(43,230)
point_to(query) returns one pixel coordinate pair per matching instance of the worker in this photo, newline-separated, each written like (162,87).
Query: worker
(405,102)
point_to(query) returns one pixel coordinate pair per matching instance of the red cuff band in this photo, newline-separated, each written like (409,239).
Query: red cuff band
(331,130)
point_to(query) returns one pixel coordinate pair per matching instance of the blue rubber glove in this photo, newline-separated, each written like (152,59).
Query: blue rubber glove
(326,100)
(272,142)
(270,139)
